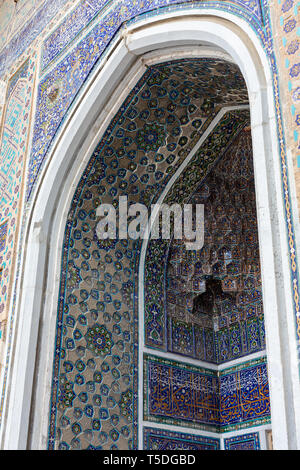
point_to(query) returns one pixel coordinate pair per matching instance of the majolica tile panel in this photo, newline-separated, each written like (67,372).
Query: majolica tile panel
(244,396)
(181,394)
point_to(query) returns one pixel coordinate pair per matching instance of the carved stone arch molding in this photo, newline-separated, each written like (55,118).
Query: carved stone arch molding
(147,41)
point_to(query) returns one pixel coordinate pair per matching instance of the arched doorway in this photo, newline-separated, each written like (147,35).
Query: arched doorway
(95,379)
(255,83)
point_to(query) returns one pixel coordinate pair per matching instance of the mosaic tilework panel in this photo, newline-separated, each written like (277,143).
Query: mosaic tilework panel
(57,91)
(12,158)
(180,394)
(67,31)
(185,395)
(159,439)
(20,12)
(20,73)
(58,86)
(233,325)
(289,25)
(85,12)
(24,11)
(117,16)
(244,396)
(95,378)
(252,6)
(32,27)
(157,250)
(243,442)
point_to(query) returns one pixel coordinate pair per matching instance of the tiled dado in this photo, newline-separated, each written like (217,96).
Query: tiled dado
(286,30)
(162,439)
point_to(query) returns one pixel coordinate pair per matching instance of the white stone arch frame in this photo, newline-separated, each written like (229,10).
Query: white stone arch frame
(26,407)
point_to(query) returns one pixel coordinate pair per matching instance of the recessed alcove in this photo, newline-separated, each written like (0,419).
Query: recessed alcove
(158,130)
(147,339)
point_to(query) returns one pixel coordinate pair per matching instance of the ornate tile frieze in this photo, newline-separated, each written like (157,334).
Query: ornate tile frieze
(186,395)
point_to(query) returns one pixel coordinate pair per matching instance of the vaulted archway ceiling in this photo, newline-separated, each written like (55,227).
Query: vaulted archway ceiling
(94,388)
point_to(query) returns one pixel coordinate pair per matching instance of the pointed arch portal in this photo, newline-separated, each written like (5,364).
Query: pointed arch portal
(136,113)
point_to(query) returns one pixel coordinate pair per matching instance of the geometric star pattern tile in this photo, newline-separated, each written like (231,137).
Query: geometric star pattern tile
(94,388)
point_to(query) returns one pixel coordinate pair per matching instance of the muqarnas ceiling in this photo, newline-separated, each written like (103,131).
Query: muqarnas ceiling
(213,296)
